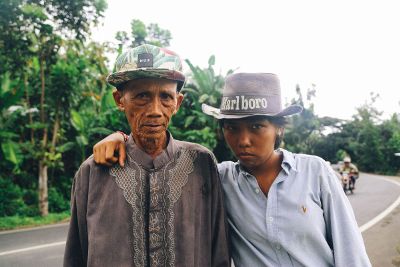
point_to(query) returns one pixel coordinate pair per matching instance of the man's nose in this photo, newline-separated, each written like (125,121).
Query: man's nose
(154,109)
(244,139)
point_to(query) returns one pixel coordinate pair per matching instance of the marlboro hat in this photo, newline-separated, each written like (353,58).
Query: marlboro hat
(251,94)
(147,61)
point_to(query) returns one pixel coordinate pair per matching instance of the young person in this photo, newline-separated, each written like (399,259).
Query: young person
(283,209)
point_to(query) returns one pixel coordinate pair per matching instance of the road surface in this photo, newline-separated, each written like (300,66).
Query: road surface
(374,204)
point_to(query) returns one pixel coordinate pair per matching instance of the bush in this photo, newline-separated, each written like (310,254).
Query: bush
(57,202)
(13,222)
(11,198)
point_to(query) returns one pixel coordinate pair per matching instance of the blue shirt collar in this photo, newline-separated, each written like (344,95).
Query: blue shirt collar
(288,162)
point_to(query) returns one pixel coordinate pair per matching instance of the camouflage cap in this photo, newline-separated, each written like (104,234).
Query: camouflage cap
(147,61)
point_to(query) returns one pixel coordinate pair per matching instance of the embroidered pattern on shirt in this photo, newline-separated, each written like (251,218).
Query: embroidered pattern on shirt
(157,219)
(165,190)
(179,177)
(127,180)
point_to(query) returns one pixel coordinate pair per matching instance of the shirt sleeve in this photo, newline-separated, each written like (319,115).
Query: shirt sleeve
(220,243)
(76,246)
(354,167)
(343,234)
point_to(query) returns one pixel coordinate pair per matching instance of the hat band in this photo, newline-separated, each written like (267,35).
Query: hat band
(248,104)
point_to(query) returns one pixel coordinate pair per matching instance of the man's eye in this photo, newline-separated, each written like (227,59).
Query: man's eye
(256,126)
(229,127)
(165,96)
(142,96)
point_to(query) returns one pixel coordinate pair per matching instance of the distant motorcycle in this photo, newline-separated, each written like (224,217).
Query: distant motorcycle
(347,182)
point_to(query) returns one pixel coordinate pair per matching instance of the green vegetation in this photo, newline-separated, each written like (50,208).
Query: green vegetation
(55,105)
(13,222)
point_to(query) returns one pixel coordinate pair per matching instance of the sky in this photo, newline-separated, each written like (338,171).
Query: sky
(346,49)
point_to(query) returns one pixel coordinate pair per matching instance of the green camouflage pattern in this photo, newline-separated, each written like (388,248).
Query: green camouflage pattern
(166,65)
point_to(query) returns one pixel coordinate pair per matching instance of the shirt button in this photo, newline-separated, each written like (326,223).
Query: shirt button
(278,247)
(270,219)
(257,191)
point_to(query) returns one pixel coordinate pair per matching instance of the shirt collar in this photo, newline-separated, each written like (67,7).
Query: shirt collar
(145,160)
(288,162)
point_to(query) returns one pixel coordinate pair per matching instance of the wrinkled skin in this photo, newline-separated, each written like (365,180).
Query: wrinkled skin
(149,105)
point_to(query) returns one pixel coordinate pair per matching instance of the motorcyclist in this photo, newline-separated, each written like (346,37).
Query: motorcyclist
(351,169)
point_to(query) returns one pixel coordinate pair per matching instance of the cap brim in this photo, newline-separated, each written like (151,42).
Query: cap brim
(216,112)
(118,78)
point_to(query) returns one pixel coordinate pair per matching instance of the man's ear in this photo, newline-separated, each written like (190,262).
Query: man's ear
(179,102)
(280,131)
(118,95)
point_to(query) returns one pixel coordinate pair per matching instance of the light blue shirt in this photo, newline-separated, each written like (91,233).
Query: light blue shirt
(306,220)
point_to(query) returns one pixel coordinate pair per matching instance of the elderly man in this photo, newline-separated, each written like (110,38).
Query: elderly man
(164,207)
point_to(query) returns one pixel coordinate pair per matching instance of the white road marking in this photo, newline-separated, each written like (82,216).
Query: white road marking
(32,248)
(384,213)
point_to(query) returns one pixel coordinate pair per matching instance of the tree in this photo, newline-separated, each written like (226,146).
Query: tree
(141,34)
(37,31)
(390,134)
(303,130)
(204,85)
(366,146)
(10,95)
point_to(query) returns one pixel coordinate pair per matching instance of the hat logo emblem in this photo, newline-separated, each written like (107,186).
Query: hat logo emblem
(243,103)
(145,60)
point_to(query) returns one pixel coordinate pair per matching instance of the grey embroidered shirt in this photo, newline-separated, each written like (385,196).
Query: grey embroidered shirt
(166,211)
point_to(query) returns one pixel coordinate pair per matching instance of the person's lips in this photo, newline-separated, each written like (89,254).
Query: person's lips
(246,155)
(153,126)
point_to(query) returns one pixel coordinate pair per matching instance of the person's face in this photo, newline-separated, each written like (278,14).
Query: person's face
(251,139)
(149,105)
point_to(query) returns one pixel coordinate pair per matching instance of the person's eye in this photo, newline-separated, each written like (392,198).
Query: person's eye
(143,95)
(166,96)
(229,127)
(257,126)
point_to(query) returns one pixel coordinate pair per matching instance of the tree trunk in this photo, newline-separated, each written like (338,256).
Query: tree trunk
(28,107)
(56,127)
(42,93)
(43,195)
(42,99)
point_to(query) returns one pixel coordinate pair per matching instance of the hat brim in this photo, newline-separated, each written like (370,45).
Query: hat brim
(118,78)
(216,112)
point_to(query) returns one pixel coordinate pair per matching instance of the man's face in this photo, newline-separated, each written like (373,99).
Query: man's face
(251,139)
(149,105)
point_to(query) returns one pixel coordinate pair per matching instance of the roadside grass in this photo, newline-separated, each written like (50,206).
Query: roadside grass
(15,222)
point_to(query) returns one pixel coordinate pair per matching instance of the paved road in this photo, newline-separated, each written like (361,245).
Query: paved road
(382,240)
(374,194)
(39,247)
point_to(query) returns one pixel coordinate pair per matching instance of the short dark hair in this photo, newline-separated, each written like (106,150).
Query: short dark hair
(121,86)
(280,122)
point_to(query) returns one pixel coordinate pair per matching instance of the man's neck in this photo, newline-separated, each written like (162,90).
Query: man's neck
(152,146)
